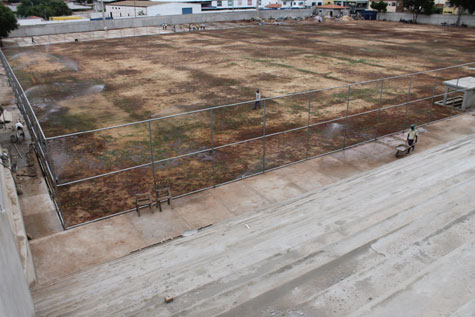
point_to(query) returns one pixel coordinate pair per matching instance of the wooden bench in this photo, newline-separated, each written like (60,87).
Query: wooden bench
(142,200)
(163,194)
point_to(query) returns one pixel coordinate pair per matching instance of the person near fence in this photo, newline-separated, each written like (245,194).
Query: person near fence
(257,103)
(20,133)
(412,138)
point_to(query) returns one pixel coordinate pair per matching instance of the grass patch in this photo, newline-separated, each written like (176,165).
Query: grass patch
(61,122)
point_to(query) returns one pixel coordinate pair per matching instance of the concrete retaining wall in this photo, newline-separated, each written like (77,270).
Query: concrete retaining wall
(89,26)
(435,19)
(15,297)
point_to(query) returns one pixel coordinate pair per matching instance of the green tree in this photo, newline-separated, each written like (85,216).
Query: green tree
(379,6)
(43,8)
(8,22)
(416,7)
(463,5)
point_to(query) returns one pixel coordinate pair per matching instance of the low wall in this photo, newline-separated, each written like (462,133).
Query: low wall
(435,19)
(90,26)
(15,297)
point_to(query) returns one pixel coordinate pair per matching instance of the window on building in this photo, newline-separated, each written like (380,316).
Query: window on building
(220,3)
(249,2)
(314,4)
(230,3)
(285,3)
(394,4)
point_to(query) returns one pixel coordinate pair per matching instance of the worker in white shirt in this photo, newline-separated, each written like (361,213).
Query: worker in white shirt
(258,100)
(412,138)
(20,133)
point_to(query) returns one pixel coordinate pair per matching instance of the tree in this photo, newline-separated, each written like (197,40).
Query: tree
(463,5)
(8,21)
(43,8)
(379,6)
(417,7)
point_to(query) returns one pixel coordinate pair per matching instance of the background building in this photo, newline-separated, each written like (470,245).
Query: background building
(124,9)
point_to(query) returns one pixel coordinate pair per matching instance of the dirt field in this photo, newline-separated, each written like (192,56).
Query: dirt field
(87,85)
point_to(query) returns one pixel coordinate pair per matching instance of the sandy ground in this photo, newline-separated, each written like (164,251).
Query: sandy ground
(87,85)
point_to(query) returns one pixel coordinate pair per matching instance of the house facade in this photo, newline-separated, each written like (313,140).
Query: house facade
(233,4)
(331,10)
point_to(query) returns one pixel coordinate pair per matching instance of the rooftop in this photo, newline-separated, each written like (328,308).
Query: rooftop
(143,4)
(462,83)
(331,6)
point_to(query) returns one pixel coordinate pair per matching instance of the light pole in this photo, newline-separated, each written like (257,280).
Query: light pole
(103,17)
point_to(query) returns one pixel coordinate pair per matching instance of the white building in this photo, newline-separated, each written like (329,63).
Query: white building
(286,4)
(233,4)
(124,9)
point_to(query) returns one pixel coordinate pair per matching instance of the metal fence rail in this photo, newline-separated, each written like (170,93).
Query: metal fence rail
(36,132)
(381,100)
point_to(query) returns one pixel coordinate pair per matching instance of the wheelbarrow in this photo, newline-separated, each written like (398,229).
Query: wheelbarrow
(401,150)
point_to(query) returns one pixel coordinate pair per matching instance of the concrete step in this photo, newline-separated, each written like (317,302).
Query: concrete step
(346,270)
(444,287)
(242,259)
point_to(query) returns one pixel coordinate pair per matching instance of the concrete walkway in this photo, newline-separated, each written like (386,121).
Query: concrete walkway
(67,252)
(397,240)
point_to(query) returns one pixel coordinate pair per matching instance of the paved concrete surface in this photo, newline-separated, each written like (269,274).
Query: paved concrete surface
(61,254)
(397,240)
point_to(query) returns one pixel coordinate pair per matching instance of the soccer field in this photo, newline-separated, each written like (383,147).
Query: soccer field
(90,85)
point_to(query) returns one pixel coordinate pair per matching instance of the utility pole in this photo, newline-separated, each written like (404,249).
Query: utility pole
(257,8)
(135,10)
(103,17)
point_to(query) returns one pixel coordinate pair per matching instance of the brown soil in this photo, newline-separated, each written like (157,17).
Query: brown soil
(153,76)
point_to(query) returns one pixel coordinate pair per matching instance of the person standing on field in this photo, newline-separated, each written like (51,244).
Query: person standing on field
(258,100)
(412,138)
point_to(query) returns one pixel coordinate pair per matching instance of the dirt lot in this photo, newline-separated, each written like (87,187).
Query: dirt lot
(87,85)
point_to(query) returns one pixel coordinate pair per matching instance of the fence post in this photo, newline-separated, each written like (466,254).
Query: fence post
(58,203)
(212,146)
(264,140)
(458,77)
(151,155)
(379,108)
(433,95)
(346,116)
(308,126)
(407,104)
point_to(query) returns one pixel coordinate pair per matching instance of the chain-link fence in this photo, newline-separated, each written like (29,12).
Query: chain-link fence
(95,174)
(39,140)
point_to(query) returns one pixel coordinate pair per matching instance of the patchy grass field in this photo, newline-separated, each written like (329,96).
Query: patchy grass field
(87,85)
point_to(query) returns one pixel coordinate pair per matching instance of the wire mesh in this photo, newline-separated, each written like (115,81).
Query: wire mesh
(97,173)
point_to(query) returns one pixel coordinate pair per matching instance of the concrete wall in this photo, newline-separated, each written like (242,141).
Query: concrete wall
(15,297)
(435,19)
(89,26)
